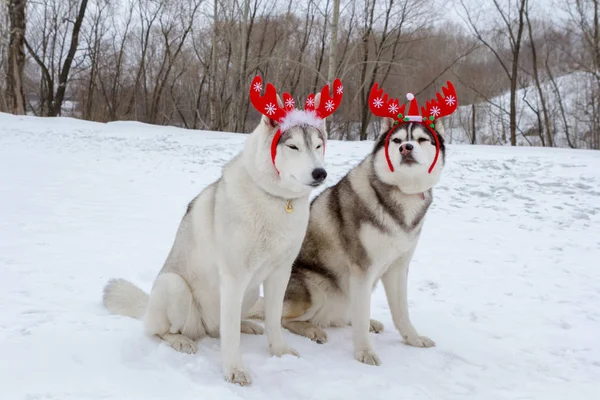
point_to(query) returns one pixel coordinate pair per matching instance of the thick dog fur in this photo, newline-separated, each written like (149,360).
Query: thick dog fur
(235,235)
(362,230)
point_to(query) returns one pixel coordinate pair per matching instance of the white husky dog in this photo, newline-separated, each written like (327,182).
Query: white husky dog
(242,230)
(366,228)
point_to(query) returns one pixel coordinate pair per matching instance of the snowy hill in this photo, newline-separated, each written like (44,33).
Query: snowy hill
(505,278)
(492,117)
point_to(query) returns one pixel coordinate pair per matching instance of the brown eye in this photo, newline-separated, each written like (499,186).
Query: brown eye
(291,146)
(396,140)
(423,140)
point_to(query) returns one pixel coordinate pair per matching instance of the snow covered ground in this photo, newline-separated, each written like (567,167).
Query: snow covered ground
(506,278)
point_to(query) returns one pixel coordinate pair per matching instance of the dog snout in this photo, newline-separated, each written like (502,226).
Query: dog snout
(406,148)
(319,174)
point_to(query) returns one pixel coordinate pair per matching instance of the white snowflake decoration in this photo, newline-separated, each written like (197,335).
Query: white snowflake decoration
(393,108)
(310,102)
(378,102)
(450,100)
(340,90)
(270,108)
(435,111)
(289,103)
(329,105)
(258,86)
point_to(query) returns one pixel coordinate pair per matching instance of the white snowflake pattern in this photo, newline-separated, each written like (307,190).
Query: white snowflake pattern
(270,108)
(289,103)
(340,90)
(378,102)
(310,102)
(393,108)
(258,86)
(450,100)
(329,105)
(435,111)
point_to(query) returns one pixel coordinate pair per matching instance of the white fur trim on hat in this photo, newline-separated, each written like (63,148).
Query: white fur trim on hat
(300,117)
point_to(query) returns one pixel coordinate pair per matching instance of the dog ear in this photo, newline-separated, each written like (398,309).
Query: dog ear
(271,122)
(386,124)
(439,127)
(317,100)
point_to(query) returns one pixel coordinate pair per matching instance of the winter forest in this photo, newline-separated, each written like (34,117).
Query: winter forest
(527,72)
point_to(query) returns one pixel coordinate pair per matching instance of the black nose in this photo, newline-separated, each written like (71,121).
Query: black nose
(319,174)
(407,146)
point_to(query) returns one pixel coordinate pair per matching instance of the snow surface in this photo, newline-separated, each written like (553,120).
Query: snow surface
(506,278)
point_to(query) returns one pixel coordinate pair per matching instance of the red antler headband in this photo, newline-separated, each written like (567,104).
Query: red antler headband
(435,108)
(289,116)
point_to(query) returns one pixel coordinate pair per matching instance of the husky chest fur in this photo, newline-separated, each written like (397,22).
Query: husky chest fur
(365,229)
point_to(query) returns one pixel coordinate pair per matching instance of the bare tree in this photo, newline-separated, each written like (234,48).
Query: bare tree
(546,127)
(51,53)
(16,56)
(511,14)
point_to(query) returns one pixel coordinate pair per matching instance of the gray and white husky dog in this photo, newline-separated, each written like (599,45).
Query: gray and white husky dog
(242,230)
(362,230)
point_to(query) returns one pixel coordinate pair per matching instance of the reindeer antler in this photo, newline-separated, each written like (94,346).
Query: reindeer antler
(443,106)
(267,104)
(288,102)
(382,107)
(327,103)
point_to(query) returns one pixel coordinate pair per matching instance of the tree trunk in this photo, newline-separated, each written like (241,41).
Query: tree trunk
(16,56)
(64,72)
(514,76)
(473,131)
(213,70)
(547,128)
(333,42)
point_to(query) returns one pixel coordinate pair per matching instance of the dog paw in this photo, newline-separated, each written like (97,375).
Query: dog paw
(367,357)
(183,344)
(376,326)
(251,328)
(279,351)
(419,341)
(238,376)
(316,334)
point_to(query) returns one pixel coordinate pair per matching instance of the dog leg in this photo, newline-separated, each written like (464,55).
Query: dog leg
(306,329)
(274,287)
(232,296)
(172,313)
(360,306)
(395,282)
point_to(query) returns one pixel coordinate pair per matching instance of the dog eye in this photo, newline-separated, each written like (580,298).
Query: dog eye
(396,140)
(291,146)
(423,140)
(319,146)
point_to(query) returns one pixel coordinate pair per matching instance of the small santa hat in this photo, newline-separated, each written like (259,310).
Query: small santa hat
(413,114)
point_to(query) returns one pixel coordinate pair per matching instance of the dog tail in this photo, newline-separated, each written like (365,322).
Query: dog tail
(124,298)
(257,311)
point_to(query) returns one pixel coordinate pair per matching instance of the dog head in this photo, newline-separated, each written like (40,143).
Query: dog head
(411,150)
(407,153)
(300,150)
(295,138)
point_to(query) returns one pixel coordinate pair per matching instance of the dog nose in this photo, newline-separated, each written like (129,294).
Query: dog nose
(319,174)
(406,147)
